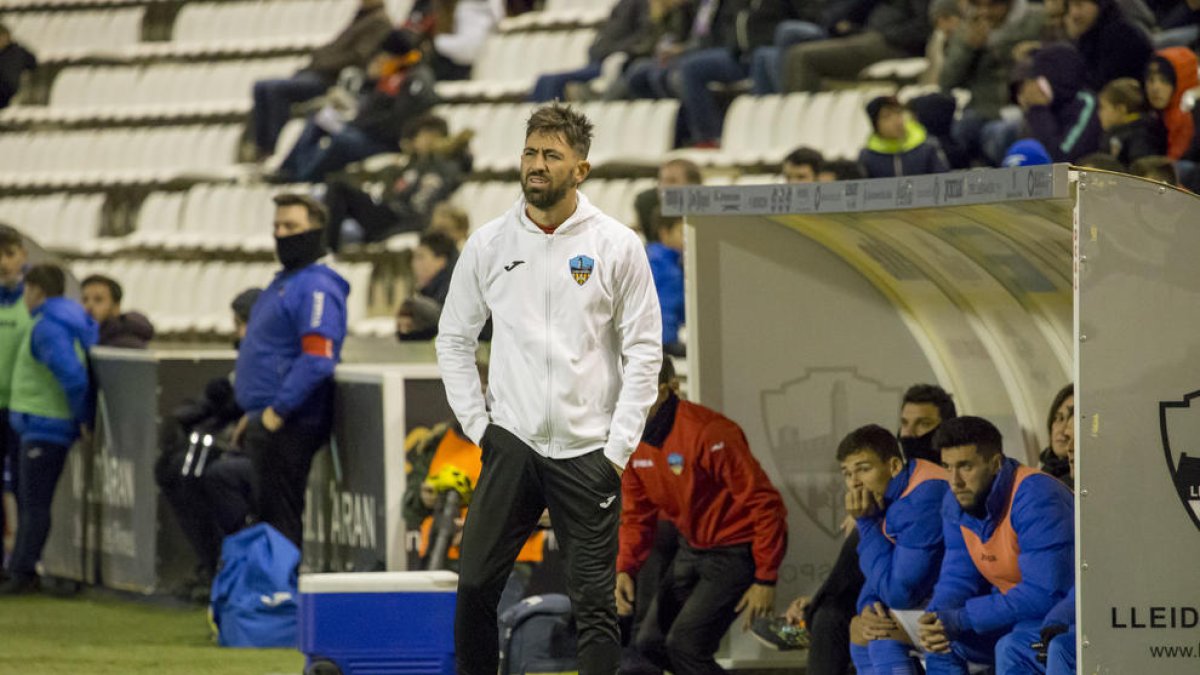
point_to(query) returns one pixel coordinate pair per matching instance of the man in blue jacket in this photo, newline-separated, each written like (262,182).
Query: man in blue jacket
(49,407)
(1010,548)
(896,507)
(1021,651)
(666,265)
(284,375)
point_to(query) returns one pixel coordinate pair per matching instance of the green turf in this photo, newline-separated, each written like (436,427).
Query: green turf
(94,635)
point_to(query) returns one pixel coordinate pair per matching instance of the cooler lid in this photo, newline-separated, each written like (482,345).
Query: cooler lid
(439,581)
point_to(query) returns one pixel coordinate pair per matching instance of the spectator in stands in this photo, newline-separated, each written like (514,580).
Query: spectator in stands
(101,297)
(673,173)
(803,165)
(666,264)
(1171,73)
(1061,426)
(946,17)
(284,375)
(979,58)
(208,489)
(400,90)
(797,21)
(667,37)
(1129,131)
(1027,152)
(436,167)
(936,111)
(432,265)
(1156,168)
(1110,44)
(48,408)
(1010,548)
(451,221)
(840,169)
(828,613)
(620,34)
(14,322)
(695,467)
(894,29)
(353,47)
(454,32)
(1102,161)
(899,145)
(896,507)
(15,61)
(1059,111)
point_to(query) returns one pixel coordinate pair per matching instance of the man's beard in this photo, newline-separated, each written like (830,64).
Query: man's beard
(545,197)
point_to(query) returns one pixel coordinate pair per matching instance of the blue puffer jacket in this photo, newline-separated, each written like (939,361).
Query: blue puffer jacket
(916,154)
(1063,613)
(1043,518)
(52,342)
(901,564)
(666,265)
(273,368)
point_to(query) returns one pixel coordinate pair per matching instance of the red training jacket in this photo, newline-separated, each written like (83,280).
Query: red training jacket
(706,482)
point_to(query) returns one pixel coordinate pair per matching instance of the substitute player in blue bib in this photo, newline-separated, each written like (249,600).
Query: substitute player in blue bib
(896,507)
(284,376)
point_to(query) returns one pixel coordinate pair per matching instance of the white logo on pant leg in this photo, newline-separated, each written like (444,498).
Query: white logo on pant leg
(318,309)
(34,453)
(607,502)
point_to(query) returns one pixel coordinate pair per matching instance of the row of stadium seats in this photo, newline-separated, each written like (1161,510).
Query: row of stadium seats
(123,93)
(194,296)
(485,200)
(561,13)
(208,217)
(117,156)
(66,35)
(62,222)
(505,66)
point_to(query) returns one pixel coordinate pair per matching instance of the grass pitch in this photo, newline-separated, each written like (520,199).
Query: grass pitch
(94,634)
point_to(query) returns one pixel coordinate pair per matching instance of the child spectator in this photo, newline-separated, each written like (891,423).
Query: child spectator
(101,297)
(1170,73)
(1156,168)
(803,165)
(48,408)
(1129,132)
(666,264)
(1059,111)
(899,145)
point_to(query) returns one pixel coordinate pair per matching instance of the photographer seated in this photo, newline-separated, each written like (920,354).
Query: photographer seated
(206,482)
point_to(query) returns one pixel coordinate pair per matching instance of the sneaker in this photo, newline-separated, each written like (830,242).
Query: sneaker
(777,633)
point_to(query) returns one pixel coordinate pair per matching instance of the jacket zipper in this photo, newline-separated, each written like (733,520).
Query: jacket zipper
(549,338)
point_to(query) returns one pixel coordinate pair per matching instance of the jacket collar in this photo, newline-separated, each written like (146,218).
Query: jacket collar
(899,483)
(914,136)
(584,210)
(9,296)
(660,426)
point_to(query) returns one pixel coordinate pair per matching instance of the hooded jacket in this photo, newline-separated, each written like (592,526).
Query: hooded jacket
(666,264)
(354,46)
(900,549)
(984,71)
(1180,125)
(1069,127)
(1113,47)
(1042,515)
(383,117)
(61,323)
(577,341)
(914,155)
(293,343)
(131,330)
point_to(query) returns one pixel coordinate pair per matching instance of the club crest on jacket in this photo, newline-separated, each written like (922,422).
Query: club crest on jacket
(581,268)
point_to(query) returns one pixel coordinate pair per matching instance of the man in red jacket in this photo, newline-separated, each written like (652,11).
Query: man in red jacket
(694,468)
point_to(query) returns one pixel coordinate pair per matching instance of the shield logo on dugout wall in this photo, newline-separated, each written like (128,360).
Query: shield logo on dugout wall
(806,418)
(1180,424)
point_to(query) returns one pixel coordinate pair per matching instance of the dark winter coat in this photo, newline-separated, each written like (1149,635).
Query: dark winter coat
(1069,127)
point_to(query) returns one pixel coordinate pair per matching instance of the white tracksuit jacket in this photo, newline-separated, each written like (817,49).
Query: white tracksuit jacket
(577,333)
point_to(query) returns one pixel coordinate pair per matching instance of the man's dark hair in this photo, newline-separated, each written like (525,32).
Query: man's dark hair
(666,372)
(440,244)
(10,238)
(428,122)
(844,169)
(114,288)
(1062,395)
(1102,161)
(933,395)
(561,120)
(1155,167)
(691,170)
(49,278)
(318,215)
(806,156)
(871,437)
(968,430)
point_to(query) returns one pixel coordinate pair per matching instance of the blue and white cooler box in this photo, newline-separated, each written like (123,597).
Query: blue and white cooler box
(369,623)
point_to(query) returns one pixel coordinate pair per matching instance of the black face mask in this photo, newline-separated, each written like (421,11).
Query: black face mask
(237,344)
(920,447)
(300,250)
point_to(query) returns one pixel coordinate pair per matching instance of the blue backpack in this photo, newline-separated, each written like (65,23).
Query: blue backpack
(538,636)
(254,593)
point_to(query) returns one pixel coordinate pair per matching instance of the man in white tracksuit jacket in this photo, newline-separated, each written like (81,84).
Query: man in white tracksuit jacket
(576,349)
